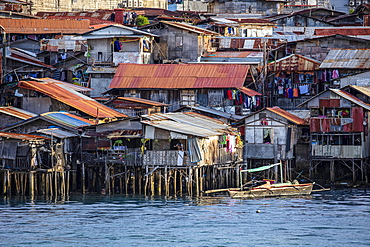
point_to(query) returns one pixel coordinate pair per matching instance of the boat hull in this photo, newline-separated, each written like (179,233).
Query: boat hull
(285,190)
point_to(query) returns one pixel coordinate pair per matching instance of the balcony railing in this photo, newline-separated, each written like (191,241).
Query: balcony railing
(337,151)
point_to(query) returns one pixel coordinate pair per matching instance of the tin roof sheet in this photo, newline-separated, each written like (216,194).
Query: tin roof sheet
(170,76)
(351,98)
(364,90)
(342,94)
(343,31)
(249,43)
(93,21)
(44,26)
(67,84)
(249,92)
(190,28)
(347,59)
(21,136)
(291,117)
(67,119)
(66,94)
(212,111)
(254,21)
(294,62)
(16,112)
(20,55)
(189,123)
(142,101)
(242,57)
(56,132)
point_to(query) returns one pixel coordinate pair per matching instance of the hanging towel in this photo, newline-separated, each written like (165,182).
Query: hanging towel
(303,89)
(295,92)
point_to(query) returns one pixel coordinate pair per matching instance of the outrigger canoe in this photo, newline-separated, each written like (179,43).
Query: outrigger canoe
(266,187)
(272,190)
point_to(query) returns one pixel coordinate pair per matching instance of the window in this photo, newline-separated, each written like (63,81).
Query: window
(187,97)
(267,136)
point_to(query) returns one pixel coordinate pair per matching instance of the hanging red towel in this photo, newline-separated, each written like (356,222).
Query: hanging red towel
(295,92)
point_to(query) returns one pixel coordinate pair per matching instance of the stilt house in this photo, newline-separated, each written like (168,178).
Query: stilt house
(271,135)
(339,130)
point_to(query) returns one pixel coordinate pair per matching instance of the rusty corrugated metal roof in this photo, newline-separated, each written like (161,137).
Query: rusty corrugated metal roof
(347,59)
(343,31)
(93,21)
(294,62)
(249,92)
(16,112)
(44,26)
(69,96)
(22,136)
(155,12)
(142,101)
(253,21)
(242,54)
(291,117)
(351,98)
(170,76)
(17,54)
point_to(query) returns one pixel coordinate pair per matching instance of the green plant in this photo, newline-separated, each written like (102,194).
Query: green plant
(141,20)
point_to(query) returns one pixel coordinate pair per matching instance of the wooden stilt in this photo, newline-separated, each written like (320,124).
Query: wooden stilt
(32,185)
(83,182)
(332,172)
(159,174)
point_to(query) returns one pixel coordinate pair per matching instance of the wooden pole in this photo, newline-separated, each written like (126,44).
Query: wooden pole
(32,185)
(166,180)
(83,178)
(159,174)
(197,180)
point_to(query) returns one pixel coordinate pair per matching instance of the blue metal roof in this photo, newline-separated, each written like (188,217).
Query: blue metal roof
(67,119)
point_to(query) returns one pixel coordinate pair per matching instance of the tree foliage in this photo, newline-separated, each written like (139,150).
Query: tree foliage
(141,20)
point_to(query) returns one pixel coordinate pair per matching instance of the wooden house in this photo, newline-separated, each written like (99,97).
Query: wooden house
(111,44)
(241,27)
(319,47)
(292,80)
(343,62)
(218,86)
(204,151)
(21,64)
(21,151)
(299,23)
(10,115)
(179,41)
(271,135)
(264,7)
(41,95)
(358,79)
(339,133)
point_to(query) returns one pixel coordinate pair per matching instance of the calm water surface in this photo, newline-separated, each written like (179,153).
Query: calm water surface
(331,218)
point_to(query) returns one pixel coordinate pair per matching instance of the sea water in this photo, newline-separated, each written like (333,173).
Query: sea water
(329,218)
